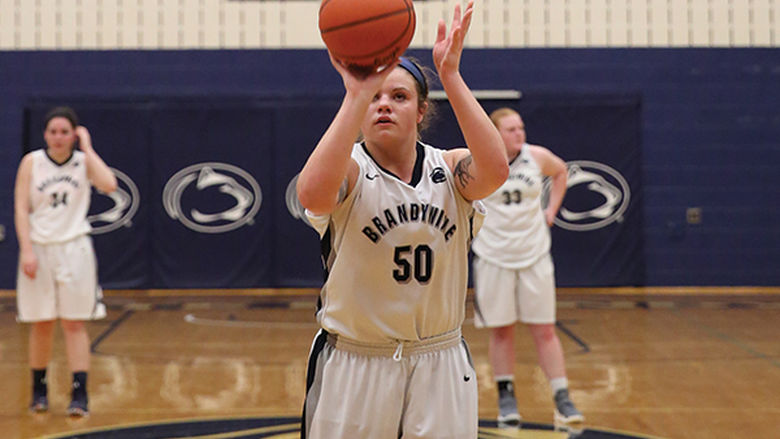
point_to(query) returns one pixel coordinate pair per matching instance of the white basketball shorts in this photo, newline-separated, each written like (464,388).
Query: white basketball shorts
(65,285)
(416,391)
(504,296)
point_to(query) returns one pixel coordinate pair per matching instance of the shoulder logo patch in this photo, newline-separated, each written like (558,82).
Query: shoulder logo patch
(438,175)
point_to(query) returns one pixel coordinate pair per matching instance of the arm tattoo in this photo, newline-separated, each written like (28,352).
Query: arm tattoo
(462,171)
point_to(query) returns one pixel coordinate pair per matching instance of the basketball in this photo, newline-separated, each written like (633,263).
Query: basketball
(366,34)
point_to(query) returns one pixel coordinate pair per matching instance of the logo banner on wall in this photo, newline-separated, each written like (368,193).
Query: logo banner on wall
(188,211)
(597,238)
(212,164)
(202,188)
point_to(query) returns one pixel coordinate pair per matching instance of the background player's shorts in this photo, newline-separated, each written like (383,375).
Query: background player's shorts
(504,296)
(65,285)
(425,394)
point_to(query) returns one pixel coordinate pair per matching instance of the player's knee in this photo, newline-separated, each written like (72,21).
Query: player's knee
(72,325)
(43,327)
(504,332)
(543,333)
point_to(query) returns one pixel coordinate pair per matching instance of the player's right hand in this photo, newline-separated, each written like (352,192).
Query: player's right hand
(29,264)
(362,81)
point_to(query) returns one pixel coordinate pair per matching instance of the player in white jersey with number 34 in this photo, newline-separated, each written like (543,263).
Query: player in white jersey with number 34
(396,218)
(57,276)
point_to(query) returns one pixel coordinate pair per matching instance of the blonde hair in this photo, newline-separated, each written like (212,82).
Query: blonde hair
(502,112)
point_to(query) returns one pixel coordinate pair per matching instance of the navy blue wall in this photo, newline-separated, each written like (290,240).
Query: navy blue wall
(710,121)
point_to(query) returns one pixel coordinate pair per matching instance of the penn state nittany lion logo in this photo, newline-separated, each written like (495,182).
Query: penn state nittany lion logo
(597,195)
(212,197)
(438,175)
(124,205)
(294,206)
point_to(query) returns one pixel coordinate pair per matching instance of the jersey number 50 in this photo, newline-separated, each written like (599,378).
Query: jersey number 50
(418,263)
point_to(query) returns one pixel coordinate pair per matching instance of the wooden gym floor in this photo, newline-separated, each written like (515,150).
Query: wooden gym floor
(669,363)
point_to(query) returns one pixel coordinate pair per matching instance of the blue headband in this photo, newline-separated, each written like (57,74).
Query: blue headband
(412,68)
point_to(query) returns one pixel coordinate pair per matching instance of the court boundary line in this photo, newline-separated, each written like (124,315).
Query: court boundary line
(682,292)
(569,333)
(168,421)
(289,421)
(108,331)
(191,318)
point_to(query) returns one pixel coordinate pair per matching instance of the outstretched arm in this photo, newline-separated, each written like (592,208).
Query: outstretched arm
(483,168)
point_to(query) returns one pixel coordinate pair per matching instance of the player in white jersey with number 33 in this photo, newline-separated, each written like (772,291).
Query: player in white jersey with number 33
(57,275)
(396,218)
(514,278)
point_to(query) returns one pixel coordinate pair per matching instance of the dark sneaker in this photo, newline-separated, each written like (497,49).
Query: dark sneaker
(507,410)
(78,408)
(39,404)
(565,411)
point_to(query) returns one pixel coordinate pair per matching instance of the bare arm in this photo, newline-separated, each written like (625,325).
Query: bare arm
(555,168)
(99,174)
(27,258)
(481,170)
(330,163)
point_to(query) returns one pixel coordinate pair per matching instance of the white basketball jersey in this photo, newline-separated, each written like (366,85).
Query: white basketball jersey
(59,196)
(397,253)
(515,234)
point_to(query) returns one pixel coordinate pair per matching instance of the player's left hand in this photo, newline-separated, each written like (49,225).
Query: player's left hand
(85,140)
(448,48)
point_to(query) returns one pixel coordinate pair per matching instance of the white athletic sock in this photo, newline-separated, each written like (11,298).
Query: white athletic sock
(559,383)
(505,378)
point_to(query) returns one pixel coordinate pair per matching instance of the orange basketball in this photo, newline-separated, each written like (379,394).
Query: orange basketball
(366,34)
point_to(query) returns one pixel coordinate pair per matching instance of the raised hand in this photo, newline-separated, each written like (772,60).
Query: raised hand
(448,48)
(85,140)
